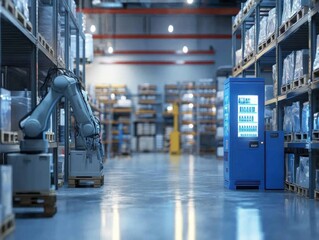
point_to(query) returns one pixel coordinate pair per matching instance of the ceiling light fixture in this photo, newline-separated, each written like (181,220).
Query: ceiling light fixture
(190,1)
(110,50)
(92,28)
(185,49)
(170,28)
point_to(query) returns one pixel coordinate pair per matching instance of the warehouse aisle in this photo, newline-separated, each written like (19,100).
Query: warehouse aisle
(155,196)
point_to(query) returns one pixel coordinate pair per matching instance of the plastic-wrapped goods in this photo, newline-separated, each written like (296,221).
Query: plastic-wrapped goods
(316,62)
(297,5)
(286,12)
(271,22)
(301,63)
(263,30)
(298,176)
(249,41)
(274,79)
(290,167)
(238,18)
(305,117)
(316,121)
(288,69)
(287,124)
(304,172)
(45,22)
(5,106)
(6,190)
(22,6)
(20,106)
(274,120)
(269,92)
(295,116)
(239,56)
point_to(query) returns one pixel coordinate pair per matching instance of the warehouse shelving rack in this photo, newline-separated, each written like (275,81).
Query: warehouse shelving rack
(206,115)
(148,113)
(116,121)
(25,58)
(298,34)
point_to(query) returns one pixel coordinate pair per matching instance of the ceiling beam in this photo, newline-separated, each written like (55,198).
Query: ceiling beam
(162,36)
(162,11)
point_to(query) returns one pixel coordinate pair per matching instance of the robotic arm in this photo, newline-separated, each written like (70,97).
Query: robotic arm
(36,123)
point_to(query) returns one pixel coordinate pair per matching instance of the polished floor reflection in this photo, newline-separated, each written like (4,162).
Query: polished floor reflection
(156,196)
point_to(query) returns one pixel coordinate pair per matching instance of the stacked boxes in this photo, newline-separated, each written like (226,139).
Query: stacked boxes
(5,191)
(5,105)
(249,41)
(301,63)
(146,129)
(146,144)
(286,12)
(275,80)
(316,61)
(288,69)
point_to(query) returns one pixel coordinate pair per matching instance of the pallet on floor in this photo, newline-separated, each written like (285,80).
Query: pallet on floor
(290,187)
(78,181)
(288,137)
(7,226)
(46,200)
(8,137)
(303,191)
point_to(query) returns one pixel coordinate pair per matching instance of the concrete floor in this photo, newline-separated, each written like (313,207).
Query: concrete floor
(155,196)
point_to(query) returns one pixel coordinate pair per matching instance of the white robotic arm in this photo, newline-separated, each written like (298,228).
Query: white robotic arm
(36,123)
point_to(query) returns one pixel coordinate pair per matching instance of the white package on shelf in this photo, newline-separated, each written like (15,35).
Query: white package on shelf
(286,12)
(271,22)
(239,56)
(263,30)
(301,63)
(45,22)
(316,62)
(297,5)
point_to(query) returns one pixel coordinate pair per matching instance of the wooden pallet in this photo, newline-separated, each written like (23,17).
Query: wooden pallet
(292,20)
(290,187)
(262,46)
(7,137)
(284,89)
(288,137)
(289,87)
(315,75)
(9,5)
(248,58)
(47,201)
(7,226)
(45,44)
(248,7)
(315,135)
(49,136)
(60,182)
(316,195)
(297,137)
(304,136)
(303,191)
(270,39)
(95,181)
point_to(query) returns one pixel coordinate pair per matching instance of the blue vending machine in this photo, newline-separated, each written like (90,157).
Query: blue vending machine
(244,133)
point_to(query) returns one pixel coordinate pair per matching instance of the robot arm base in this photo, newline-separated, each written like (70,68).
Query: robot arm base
(34,145)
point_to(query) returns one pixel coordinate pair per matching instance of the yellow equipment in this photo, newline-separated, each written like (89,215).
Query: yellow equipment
(175,135)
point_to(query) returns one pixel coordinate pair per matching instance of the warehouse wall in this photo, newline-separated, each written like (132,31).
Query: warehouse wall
(102,72)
